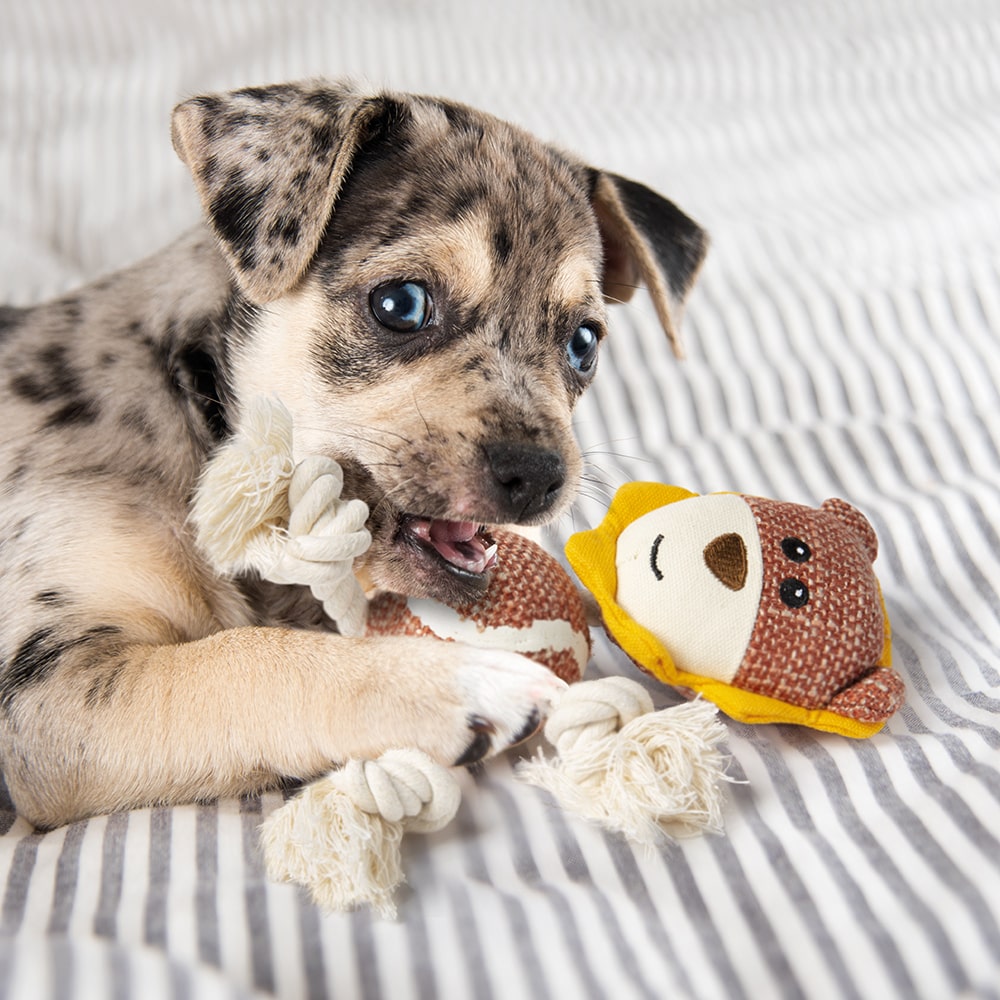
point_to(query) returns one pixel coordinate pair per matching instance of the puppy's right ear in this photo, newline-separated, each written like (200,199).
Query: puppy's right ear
(268,164)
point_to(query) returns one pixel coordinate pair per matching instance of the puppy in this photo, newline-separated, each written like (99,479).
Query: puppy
(423,287)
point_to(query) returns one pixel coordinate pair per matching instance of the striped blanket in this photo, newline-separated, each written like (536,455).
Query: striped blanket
(843,341)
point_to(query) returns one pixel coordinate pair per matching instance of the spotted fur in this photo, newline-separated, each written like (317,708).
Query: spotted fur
(131,671)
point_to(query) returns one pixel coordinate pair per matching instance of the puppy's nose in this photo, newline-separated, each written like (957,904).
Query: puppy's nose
(527,478)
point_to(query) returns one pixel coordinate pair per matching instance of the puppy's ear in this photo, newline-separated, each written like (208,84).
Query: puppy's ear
(647,240)
(268,164)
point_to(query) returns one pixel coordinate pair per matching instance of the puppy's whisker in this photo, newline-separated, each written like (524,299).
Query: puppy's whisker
(597,446)
(205,396)
(416,406)
(597,491)
(363,438)
(616,454)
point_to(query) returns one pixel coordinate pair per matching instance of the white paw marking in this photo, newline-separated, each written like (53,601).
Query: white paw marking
(507,690)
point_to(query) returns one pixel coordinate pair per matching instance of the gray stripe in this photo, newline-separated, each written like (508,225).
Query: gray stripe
(120,969)
(311,944)
(576,869)
(421,965)
(67,875)
(62,963)
(770,947)
(365,954)
(988,778)
(477,870)
(943,664)
(943,584)
(527,871)
(18,881)
(419,871)
(941,359)
(154,929)
(255,896)
(882,863)
(470,944)
(112,874)
(675,864)
(206,905)
(924,844)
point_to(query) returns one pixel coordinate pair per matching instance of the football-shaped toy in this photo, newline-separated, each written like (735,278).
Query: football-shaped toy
(531,606)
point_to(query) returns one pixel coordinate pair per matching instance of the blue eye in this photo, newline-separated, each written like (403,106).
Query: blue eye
(582,348)
(403,306)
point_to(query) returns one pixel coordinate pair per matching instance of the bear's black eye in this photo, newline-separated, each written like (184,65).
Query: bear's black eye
(403,306)
(794,593)
(796,550)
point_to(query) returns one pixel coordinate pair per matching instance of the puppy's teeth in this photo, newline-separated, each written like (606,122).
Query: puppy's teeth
(420,529)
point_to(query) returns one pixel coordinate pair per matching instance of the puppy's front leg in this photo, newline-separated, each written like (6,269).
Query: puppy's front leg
(241,709)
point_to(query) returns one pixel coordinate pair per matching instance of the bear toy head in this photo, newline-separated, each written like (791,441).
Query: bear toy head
(770,609)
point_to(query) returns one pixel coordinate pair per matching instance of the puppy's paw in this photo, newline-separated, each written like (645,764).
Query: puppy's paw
(507,698)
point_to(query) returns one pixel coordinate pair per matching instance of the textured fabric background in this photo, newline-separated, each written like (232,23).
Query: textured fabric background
(843,341)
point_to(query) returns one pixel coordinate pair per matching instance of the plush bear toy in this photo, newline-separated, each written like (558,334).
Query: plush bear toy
(769,609)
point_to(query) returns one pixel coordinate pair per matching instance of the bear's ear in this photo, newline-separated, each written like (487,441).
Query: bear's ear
(855,522)
(647,240)
(268,163)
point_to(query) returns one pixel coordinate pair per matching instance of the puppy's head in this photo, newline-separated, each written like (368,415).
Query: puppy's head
(430,288)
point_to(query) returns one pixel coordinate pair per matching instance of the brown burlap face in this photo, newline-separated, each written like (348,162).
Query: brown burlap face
(820,626)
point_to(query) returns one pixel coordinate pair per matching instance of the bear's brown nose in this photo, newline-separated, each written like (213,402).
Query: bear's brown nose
(726,557)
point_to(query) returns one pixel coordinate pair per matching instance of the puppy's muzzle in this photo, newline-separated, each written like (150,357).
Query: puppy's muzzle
(527,480)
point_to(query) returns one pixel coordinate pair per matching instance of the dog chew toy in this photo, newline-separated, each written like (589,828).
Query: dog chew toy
(770,610)
(649,775)
(531,607)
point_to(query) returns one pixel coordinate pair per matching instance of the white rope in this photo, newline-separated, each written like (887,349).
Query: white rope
(651,776)
(340,837)
(242,496)
(254,509)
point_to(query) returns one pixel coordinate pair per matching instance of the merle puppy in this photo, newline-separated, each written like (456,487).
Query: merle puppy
(423,287)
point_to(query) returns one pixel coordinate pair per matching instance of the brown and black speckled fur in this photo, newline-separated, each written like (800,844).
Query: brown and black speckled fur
(130,672)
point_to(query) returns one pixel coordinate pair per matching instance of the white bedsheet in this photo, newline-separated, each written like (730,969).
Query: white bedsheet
(843,341)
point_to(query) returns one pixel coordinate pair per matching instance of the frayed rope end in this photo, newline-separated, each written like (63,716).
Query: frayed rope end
(651,776)
(340,837)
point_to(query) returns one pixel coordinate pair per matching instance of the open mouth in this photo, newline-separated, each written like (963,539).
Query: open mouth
(463,547)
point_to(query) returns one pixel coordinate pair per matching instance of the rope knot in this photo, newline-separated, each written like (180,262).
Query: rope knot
(340,836)
(402,786)
(594,711)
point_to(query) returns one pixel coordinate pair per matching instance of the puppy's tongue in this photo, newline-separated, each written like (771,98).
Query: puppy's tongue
(461,543)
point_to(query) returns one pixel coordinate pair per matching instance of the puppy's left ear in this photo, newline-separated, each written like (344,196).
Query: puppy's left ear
(647,240)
